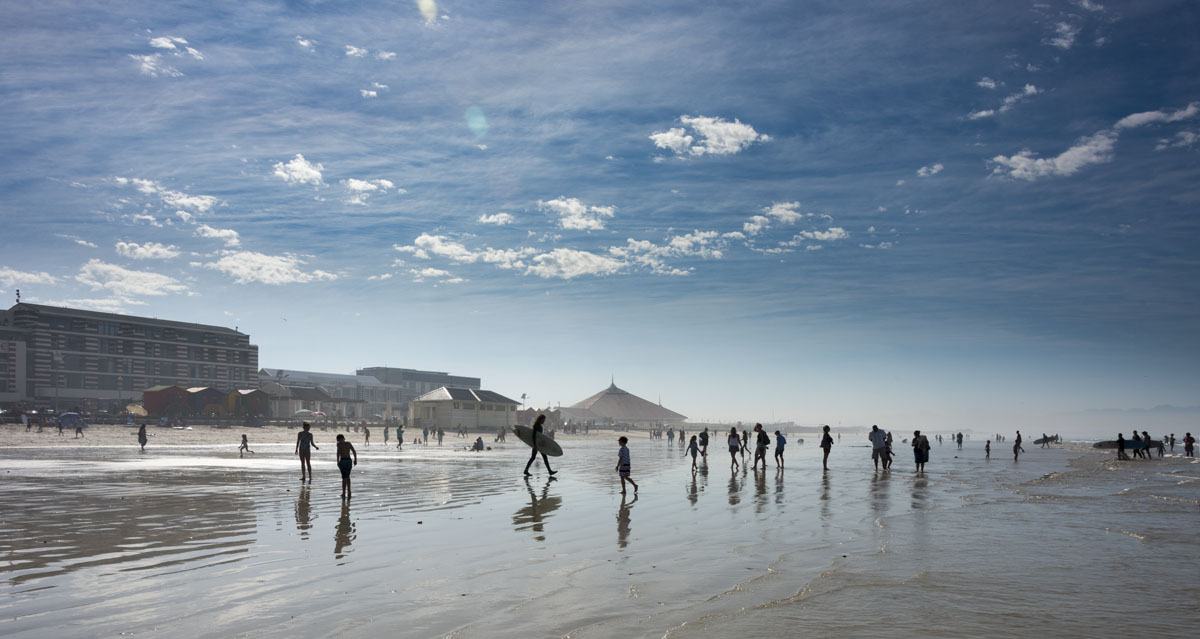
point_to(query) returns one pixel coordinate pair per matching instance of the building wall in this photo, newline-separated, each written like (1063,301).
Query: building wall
(12,366)
(418,382)
(79,358)
(449,415)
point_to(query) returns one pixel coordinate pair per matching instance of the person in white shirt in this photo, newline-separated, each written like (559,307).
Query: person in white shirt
(878,445)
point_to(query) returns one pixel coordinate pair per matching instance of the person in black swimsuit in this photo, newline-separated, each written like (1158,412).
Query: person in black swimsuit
(537,430)
(304,441)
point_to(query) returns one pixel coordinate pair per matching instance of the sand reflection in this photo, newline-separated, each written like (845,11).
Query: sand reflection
(533,516)
(623,521)
(344,535)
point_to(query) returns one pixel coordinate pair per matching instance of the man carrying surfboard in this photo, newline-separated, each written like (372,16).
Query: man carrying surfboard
(537,431)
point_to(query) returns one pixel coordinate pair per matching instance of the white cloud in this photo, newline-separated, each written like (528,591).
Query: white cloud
(756,224)
(428,9)
(1182,139)
(177,199)
(176,45)
(148,219)
(497,219)
(361,190)
(565,263)
(385,55)
(882,246)
(1090,5)
(1159,116)
(930,170)
(1064,35)
(710,136)
(147,251)
(1010,101)
(299,171)
(785,212)
(379,278)
(355,52)
(1093,149)
(814,247)
(574,214)
(248,266)
(76,239)
(441,276)
(981,114)
(123,282)
(229,236)
(832,234)
(154,66)
(987,83)
(13,277)
(305,43)
(367,93)
(378,86)
(185,217)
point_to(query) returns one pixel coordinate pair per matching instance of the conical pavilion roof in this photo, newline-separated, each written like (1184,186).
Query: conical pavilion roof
(624,407)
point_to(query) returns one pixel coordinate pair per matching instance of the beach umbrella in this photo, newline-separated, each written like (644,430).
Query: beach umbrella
(303,412)
(136,409)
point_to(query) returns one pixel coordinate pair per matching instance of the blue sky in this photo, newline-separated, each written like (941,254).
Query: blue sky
(970,214)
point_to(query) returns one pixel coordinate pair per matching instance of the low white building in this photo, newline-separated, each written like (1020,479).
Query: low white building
(451,408)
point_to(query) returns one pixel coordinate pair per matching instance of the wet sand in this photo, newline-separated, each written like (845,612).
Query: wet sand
(187,539)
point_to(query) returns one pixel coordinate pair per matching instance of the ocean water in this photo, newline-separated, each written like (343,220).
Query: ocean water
(191,541)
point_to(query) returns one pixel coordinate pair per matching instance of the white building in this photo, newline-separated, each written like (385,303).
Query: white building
(450,408)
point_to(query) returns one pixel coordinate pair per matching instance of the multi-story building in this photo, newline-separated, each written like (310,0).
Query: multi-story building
(90,360)
(419,382)
(353,396)
(12,363)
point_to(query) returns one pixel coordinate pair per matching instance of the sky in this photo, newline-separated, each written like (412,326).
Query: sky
(979,215)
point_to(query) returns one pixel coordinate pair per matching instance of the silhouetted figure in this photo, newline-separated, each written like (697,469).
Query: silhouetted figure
(366,436)
(878,444)
(780,442)
(704,442)
(958,438)
(344,463)
(920,444)
(538,425)
(244,447)
(888,455)
(623,464)
(987,450)
(826,444)
(141,437)
(693,449)
(761,442)
(1121,447)
(1189,445)
(304,448)
(735,445)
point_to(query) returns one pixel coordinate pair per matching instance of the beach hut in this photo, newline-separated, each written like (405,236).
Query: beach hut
(248,402)
(166,401)
(206,401)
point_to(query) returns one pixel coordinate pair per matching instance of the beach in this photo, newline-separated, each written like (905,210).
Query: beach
(190,540)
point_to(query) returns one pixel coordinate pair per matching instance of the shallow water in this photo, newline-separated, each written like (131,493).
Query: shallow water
(194,541)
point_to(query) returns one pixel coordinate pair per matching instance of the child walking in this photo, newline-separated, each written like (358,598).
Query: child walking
(623,465)
(245,447)
(693,449)
(345,464)
(780,442)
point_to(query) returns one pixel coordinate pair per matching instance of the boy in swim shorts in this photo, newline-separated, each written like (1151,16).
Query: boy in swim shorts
(344,464)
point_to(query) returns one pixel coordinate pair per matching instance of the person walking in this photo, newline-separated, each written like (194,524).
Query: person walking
(1146,446)
(693,449)
(735,445)
(704,442)
(244,447)
(780,442)
(141,437)
(624,465)
(366,436)
(1189,445)
(878,444)
(761,442)
(538,427)
(920,445)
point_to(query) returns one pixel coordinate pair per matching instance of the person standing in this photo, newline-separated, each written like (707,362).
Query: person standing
(1189,445)
(888,455)
(826,444)
(623,464)
(441,434)
(367,435)
(958,438)
(304,446)
(745,443)
(1146,446)
(385,434)
(538,426)
(344,450)
(1121,447)
(987,450)
(399,436)
(761,442)
(735,444)
(780,442)
(424,435)
(704,442)
(693,449)
(141,437)
(878,444)
(1172,440)
(920,445)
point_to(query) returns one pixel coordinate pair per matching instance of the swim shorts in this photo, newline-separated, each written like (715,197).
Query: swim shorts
(344,465)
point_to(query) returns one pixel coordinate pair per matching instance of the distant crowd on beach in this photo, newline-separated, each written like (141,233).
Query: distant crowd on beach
(1142,446)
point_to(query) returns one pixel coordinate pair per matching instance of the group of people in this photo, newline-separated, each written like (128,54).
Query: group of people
(1142,445)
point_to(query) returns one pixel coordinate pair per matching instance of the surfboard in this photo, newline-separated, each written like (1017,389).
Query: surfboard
(544,443)
(1129,444)
(1043,440)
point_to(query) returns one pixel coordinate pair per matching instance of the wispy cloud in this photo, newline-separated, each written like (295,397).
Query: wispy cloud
(1064,35)
(355,52)
(930,170)
(13,277)
(170,197)
(128,283)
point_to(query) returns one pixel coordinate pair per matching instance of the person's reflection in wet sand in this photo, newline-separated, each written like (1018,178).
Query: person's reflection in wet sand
(344,535)
(303,516)
(734,489)
(779,485)
(880,482)
(920,492)
(760,490)
(693,491)
(825,496)
(623,521)
(533,516)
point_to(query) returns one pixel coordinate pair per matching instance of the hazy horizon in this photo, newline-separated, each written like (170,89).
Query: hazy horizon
(978,216)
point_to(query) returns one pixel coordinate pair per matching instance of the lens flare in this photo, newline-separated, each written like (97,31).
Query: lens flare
(428,9)
(477,121)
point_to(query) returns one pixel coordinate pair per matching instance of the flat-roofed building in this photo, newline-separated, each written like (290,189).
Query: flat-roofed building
(364,396)
(418,382)
(451,408)
(12,363)
(91,360)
